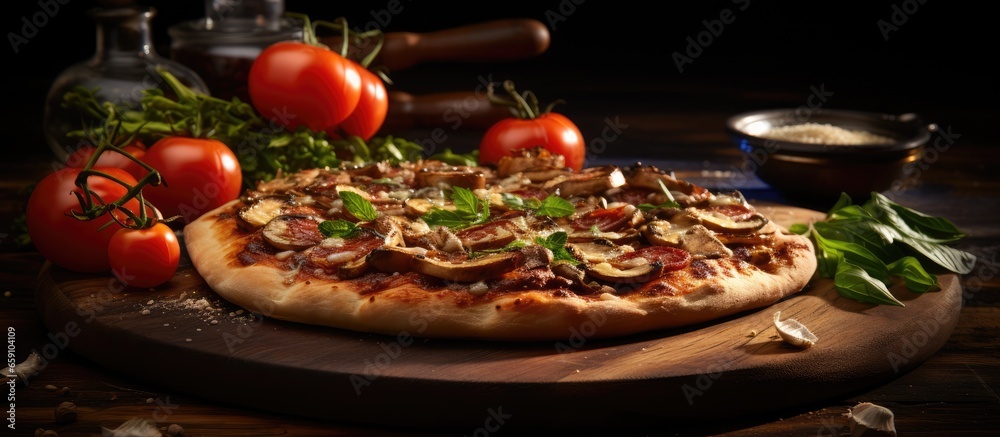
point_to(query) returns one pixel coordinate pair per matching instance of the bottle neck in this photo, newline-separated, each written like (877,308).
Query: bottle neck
(123,33)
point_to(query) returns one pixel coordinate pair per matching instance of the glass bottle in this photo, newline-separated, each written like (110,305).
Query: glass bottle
(124,64)
(221,46)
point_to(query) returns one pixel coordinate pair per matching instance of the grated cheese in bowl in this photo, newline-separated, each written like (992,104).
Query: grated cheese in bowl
(819,133)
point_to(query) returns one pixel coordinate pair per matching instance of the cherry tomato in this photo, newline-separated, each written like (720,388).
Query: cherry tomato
(144,257)
(552,131)
(63,240)
(671,258)
(109,158)
(298,84)
(372,108)
(199,175)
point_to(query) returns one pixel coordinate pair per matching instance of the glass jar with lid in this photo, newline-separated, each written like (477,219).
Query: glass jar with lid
(124,64)
(221,46)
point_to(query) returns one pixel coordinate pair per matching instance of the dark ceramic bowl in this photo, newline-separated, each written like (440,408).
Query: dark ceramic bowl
(823,171)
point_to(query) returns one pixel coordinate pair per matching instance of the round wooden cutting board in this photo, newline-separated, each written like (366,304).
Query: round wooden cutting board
(185,337)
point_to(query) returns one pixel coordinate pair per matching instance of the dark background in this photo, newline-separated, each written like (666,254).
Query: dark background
(617,54)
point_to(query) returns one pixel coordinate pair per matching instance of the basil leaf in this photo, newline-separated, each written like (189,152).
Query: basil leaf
(850,212)
(555,206)
(444,217)
(888,216)
(857,231)
(855,254)
(452,158)
(853,282)
(797,228)
(513,245)
(338,228)
(556,242)
(917,279)
(947,257)
(358,206)
(465,201)
(935,227)
(512,201)
(843,201)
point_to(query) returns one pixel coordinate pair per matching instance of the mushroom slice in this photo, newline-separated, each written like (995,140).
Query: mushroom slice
(261,211)
(530,159)
(793,332)
(293,232)
(642,272)
(490,235)
(702,244)
(537,176)
(354,268)
(590,181)
(416,206)
(489,266)
(454,177)
(650,177)
(597,251)
(388,228)
(721,223)
(412,230)
(623,237)
(394,259)
(663,233)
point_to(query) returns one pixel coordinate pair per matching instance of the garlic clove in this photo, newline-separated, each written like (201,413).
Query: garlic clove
(24,371)
(134,427)
(870,420)
(794,332)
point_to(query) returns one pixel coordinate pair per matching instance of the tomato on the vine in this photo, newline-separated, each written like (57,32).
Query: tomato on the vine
(371,111)
(198,174)
(78,245)
(110,158)
(300,84)
(532,128)
(144,257)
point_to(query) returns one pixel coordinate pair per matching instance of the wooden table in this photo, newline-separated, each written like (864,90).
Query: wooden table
(677,120)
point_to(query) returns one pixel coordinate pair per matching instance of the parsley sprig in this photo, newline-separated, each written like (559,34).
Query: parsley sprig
(469,211)
(864,247)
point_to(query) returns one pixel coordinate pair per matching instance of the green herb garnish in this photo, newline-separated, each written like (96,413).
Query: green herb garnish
(864,247)
(513,245)
(446,156)
(556,242)
(358,206)
(670,203)
(552,206)
(338,228)
(469,211)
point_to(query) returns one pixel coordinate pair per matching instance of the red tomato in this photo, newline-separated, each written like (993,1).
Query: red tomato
(552,131)
(63,240)
(199,175)
(144,257)
(671,258)
(372,108)
(297,84)
(109,158)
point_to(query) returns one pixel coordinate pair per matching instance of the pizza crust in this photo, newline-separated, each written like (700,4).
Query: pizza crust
(516,316)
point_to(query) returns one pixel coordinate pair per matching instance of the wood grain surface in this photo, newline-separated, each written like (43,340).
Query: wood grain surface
(713,370)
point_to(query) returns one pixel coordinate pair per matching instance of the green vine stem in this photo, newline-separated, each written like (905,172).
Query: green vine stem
(523,105)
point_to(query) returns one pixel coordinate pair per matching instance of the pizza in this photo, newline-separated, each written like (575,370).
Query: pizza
(524,250)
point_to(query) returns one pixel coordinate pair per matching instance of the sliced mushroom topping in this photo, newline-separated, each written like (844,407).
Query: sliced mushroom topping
(293,232)
(417,207)
(282,184)
(375,170)
(663,233)
(446,241)
(536,256)
(591,181)
(261,211)
(538,176)
(578,277)
(354,268)
(491,235)
(623,237)
(530,159)
(394,259)
(454,177)
(597,251)
(649,177)
(489,266)
(387,227)
(703,244)
(412,230)
(643,272)
(721,223)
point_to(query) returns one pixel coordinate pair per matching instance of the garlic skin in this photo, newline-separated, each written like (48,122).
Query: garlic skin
(134,427)
(794,332)
(24,371)
(870,420)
